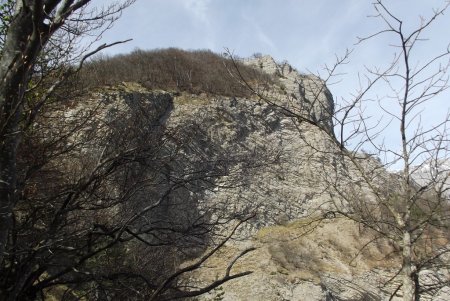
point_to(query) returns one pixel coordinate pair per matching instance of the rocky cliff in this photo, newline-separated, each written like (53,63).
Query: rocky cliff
(230,157)
(299,255)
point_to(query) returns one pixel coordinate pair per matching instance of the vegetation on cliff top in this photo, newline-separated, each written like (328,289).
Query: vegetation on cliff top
(172,69)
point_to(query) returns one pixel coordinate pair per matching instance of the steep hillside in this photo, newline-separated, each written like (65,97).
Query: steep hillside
(329,259)
(173,148)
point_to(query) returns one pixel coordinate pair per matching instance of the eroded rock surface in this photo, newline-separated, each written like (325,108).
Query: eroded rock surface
(261,159)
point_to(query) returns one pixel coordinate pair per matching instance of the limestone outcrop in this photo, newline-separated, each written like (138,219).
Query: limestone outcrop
(246,156)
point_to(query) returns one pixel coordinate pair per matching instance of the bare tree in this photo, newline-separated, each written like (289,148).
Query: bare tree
(32,27)
(109,202)
(410,208)
(412,212)
(93,203)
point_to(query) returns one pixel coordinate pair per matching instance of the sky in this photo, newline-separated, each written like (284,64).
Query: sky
(306,33)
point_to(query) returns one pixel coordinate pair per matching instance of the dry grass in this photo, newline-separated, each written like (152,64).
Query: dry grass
(311,247)
(306,250)
(192,99)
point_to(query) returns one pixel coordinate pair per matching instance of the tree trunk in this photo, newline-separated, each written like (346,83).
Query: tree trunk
(409,288)
(24,40)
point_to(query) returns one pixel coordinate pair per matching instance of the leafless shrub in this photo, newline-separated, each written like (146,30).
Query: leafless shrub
(171,69)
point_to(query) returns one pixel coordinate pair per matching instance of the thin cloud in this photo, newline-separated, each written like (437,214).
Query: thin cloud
(264,38)
(259,33)
(199,8)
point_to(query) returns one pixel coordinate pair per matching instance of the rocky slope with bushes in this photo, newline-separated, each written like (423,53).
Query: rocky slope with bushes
(218,152)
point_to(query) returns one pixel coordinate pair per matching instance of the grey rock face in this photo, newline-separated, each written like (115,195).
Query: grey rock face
(303,94)
(255,157)
(281,166)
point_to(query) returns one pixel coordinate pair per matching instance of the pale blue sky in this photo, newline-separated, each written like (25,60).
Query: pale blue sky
(306,33)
